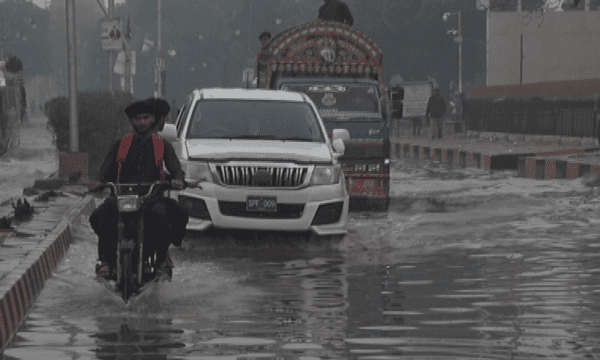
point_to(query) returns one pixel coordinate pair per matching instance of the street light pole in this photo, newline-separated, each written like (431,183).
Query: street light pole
(111,55)
(159,58)
(72,65)
(460,39)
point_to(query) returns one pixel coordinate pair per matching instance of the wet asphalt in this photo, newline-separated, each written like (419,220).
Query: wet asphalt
(512,278)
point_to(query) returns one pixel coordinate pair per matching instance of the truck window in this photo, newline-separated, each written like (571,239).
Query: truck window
(341,99)
(254,119)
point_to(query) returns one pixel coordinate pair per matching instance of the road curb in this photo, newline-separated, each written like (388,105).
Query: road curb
(20,288)
(548,168)
(454,156)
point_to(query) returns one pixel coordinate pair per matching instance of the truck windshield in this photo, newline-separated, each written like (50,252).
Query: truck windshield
(342,100)
(254,119)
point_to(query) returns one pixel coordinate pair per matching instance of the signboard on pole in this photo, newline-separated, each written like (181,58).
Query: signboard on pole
(416,96)
(111,34)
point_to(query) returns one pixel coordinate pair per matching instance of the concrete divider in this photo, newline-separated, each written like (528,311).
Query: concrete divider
(548,168)
(20,287)
(499,151)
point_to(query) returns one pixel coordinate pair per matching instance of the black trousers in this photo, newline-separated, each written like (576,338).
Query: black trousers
(165,223)
(417,126)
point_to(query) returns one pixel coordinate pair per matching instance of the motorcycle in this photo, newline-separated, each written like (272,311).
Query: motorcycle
(134,269)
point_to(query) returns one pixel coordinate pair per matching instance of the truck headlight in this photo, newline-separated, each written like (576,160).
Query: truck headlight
(374,167)
(198,170)
(326,175)
(360,167)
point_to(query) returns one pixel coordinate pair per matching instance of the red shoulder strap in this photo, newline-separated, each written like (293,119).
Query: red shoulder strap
(159,150)
(123,150)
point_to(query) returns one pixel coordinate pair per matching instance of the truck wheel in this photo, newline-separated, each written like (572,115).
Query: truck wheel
(381,205)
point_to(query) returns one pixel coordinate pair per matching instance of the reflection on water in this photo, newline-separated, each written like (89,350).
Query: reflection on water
(303,300)
(135,338)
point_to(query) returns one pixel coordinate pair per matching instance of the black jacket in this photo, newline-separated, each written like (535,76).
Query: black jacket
(139,163)
(436,107)
(334,10)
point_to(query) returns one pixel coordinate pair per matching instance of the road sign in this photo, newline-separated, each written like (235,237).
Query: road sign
(483,4)
(247,75)
(111,34)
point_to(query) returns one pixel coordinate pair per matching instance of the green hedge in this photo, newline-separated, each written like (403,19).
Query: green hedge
(102,121)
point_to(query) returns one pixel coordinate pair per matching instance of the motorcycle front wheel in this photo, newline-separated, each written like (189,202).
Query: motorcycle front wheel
(127,275)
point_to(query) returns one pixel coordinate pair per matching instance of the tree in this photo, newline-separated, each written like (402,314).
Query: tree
(24,31)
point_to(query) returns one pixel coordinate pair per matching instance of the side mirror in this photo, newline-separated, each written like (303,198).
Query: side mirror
(341,134)
(169,132)
(338,146)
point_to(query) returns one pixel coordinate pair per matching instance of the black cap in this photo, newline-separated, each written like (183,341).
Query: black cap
(139,107)
(160,106)
(264,34)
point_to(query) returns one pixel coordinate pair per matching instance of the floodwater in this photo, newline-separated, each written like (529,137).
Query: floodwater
(465,265)
(460,274)
(33,157)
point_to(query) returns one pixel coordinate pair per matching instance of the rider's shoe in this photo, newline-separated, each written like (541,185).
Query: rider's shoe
(104,271)
(165,271)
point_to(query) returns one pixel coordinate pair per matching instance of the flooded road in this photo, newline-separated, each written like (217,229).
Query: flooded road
(467,266)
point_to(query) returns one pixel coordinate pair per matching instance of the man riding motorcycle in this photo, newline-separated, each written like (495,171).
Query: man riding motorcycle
(139,158)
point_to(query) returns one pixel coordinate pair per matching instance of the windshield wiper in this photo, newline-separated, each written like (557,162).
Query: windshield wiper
(269,137)
(296,139)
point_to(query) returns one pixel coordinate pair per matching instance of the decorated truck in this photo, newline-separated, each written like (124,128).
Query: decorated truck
(340,69)
(12,102)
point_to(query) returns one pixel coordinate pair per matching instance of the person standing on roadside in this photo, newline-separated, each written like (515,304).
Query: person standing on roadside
(335,10)
(436,109)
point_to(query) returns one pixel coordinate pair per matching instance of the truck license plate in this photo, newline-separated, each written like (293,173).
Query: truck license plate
(261,203)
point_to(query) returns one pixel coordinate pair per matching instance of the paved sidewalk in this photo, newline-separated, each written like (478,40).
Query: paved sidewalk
(534,156)
(31,251)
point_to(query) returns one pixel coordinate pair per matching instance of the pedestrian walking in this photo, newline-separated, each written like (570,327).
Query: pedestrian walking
(436,109)
(416,126)
(454,111)
(335,10)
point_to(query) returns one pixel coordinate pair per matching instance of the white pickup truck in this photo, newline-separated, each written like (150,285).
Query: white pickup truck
(263,160)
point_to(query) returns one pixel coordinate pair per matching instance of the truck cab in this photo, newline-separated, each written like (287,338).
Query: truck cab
(340,70)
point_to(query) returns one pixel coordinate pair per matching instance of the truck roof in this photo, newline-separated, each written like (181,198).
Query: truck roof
(249,94)
(319,49)
(291,42)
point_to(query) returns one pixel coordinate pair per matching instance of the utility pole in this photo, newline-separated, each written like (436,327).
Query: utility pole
(71,47)
(159,55)
(460,40)
(127,68)
(111,55)
(521,64)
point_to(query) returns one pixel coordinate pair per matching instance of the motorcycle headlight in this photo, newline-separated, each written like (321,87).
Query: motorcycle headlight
(197,170)
(326,175)
(128,203)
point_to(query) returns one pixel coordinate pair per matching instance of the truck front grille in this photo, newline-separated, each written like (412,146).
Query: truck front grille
(273,176)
